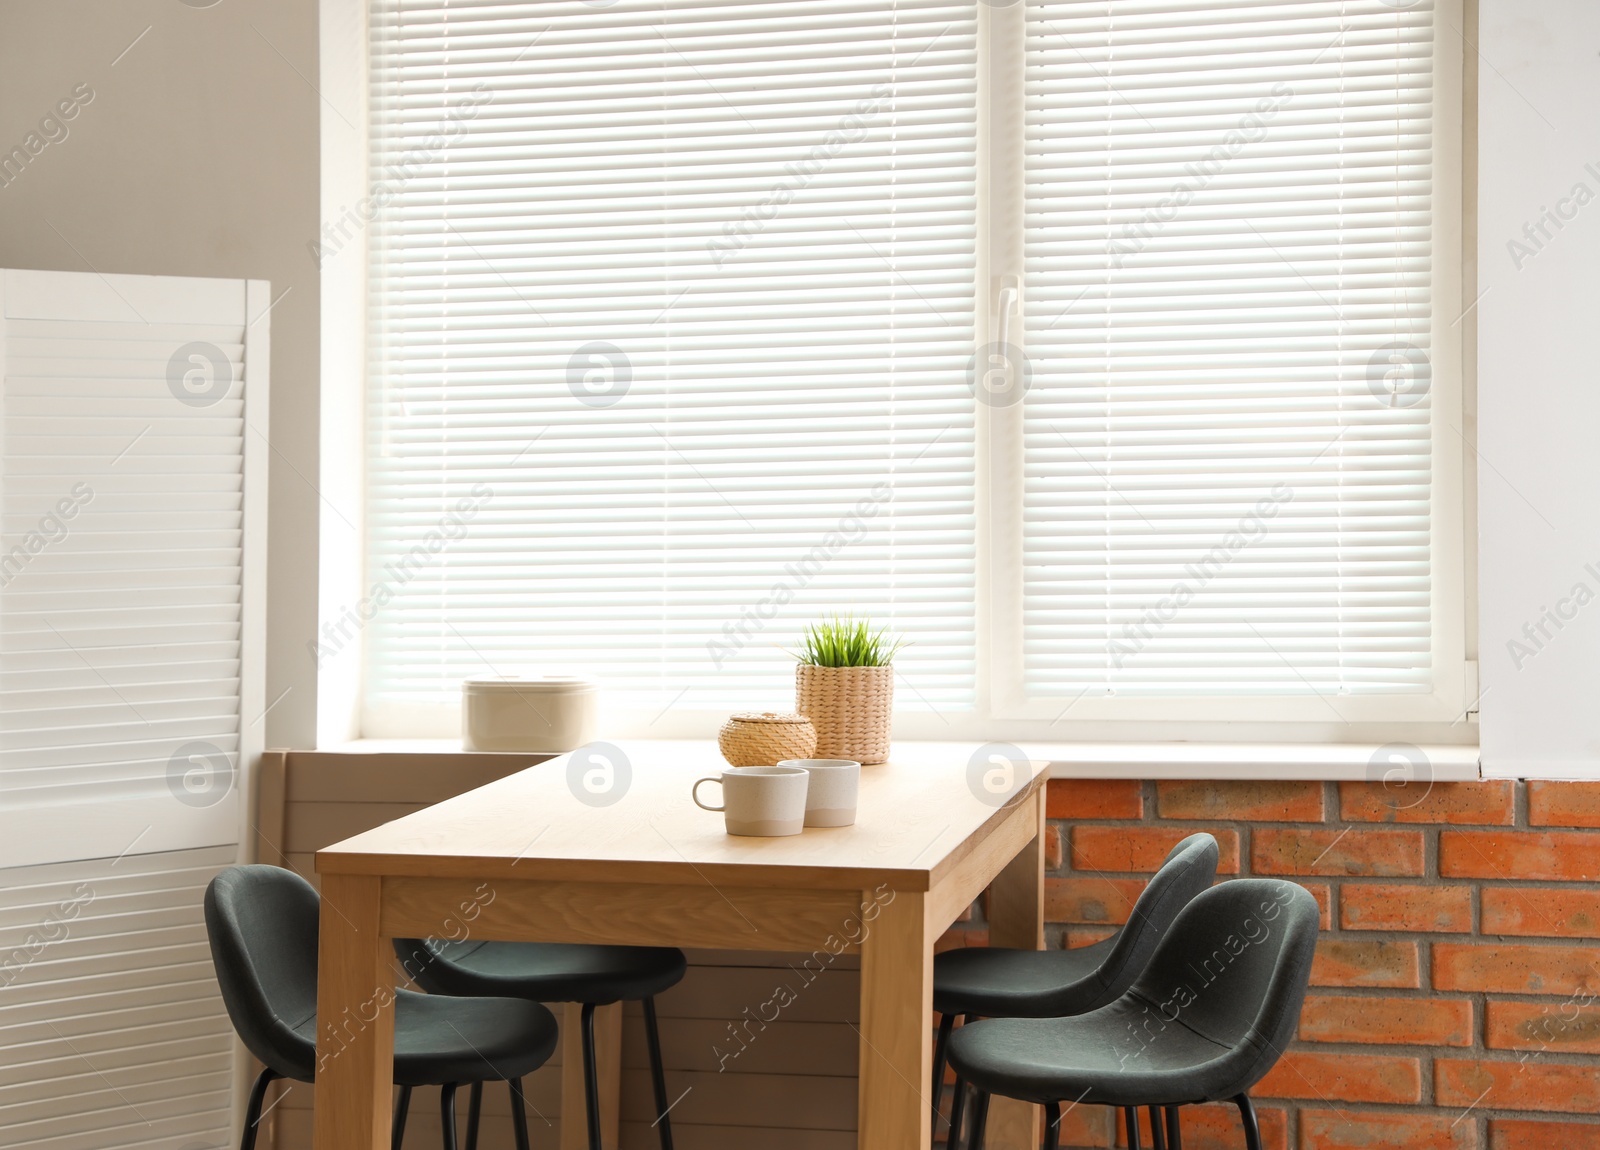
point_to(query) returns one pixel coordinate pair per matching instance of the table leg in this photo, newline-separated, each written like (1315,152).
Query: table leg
(1016,919)
(355,1018)
(608,1059)
(894,1110)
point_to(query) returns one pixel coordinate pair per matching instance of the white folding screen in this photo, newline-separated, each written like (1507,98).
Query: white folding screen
(112,1033)
(132,487)
(126,597)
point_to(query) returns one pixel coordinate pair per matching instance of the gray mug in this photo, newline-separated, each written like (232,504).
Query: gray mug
(834,790)
(761,802)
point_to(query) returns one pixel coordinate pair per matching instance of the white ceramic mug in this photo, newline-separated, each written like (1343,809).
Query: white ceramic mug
(760,801)
(833,790)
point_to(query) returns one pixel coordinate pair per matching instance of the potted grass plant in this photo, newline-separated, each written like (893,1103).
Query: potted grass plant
(844,684)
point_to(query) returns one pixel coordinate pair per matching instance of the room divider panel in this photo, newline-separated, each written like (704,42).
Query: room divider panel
(133,424)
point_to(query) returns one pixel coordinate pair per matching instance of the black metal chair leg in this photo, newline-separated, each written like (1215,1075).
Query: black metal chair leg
(980,1119)
(958,1110)
(591,1077)
(474,1113)
(401,1109)
(1130,1118)
(947,1023)
(447,1114)
(958,1099)
(1247,1113)
(1052,1125)
(1174,1130)
(658,1074)
(252,1113)
(519,1114)
(1158,1135)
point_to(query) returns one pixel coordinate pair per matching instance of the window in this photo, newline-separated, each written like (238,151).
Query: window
(1101,347)
(1230,268)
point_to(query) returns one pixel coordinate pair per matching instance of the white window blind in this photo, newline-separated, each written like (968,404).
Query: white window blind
(673,331)
(672,310)
(1229,260)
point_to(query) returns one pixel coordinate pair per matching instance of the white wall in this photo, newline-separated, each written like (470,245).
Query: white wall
(197,155)
(1539,399)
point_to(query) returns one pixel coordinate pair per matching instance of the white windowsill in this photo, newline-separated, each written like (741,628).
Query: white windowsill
(1249,761)
(1219,761)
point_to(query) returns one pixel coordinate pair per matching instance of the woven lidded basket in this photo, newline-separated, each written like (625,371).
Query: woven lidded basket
(849,707)
(753,739)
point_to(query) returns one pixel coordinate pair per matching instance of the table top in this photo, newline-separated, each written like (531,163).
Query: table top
(621,812)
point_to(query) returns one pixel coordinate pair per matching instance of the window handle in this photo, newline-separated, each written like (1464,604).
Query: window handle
(1009,295)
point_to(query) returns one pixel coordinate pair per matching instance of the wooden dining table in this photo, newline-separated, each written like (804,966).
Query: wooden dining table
(605,846)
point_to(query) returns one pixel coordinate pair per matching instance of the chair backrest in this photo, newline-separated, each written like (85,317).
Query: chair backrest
(1234,968)
(1189,868)
(262,922)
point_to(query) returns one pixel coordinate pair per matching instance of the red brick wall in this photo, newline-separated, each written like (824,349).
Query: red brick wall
(1454,998)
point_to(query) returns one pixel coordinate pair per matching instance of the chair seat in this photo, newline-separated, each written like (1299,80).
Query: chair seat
(544,971)
(440,1040)
(1124,1054)
(993,982)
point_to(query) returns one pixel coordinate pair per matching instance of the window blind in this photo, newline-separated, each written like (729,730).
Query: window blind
(1228,267)
(672,309)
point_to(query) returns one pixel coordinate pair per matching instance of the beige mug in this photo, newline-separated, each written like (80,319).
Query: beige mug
(831,794)
(763,802)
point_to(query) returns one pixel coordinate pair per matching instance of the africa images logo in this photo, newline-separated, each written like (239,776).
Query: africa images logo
(199,374)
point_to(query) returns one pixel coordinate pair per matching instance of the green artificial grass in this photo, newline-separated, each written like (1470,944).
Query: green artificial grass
(844,641)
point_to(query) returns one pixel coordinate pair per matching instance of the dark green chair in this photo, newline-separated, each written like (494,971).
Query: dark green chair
(1204,1022)
(557,972)
(263,925)
(995,982)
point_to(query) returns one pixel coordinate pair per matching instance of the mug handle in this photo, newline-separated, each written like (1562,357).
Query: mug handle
(694,793)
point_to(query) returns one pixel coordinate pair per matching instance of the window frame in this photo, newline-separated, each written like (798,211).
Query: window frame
(1002,708)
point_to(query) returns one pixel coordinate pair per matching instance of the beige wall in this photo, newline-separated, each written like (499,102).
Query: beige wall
(198,156)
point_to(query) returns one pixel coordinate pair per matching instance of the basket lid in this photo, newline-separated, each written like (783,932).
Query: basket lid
(529,684)
(788,720)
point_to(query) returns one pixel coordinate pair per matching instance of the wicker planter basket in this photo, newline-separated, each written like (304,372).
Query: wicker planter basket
(763,739)
(849,707)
